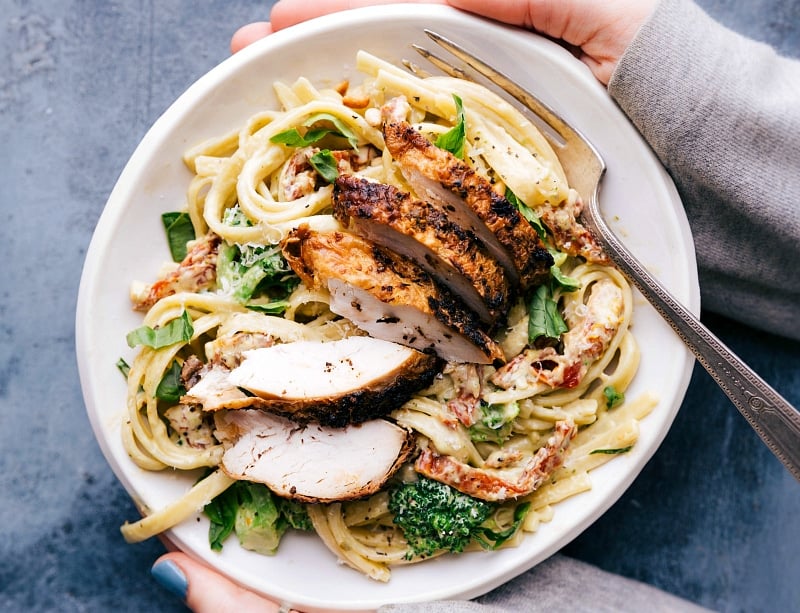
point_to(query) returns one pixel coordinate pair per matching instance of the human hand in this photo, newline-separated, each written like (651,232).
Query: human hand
(597,32)
(205,591)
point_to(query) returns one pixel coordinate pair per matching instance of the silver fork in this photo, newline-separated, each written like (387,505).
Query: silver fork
(775,420)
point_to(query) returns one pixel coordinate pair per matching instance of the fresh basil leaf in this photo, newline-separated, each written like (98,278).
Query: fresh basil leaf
(171,388)
(180,231)
(123,367)
(325,164)
(271,308)
(612,451)
(568,284)
(293,138)
(454,139)
(178,330)
(527,212)
(543,316)
(613,397)
(341,127)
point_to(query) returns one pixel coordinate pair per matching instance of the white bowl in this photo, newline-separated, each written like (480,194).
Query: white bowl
(638,197)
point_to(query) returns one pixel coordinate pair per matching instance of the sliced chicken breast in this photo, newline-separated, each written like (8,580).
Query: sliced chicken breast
(470,200)
(333,383)
(311,463)
(388,296)
(421,231)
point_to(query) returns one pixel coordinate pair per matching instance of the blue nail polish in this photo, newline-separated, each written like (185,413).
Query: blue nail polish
(170,576)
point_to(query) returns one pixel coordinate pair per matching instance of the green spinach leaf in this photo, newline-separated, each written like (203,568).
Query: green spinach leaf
(543,316)
(325,164)
(243,269)
(222,514)
(178,330)
(276,307)
(568,284)
(293,138)
(527,212)
(180,231)
(455,138)
(170,388)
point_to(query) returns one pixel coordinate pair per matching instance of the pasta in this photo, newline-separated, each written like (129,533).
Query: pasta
(243,193)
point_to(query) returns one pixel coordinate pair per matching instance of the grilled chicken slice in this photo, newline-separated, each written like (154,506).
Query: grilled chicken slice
(470,200)
(311,463)
(333,383)
(421,231)
(502,483)
(388,296)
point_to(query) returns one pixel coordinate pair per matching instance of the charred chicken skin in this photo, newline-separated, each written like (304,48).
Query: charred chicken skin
(470,199)
(423,232)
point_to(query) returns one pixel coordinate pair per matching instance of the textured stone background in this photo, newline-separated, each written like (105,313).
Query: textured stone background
(713,517)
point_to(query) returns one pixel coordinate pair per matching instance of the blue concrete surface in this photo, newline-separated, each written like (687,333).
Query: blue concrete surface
(713,517)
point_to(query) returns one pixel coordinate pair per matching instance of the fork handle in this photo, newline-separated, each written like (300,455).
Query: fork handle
(775,420)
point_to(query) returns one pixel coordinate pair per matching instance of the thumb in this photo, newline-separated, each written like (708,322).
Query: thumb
(250,33)
(206,591)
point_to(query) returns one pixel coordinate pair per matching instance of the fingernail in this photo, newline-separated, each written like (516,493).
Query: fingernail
(170,576)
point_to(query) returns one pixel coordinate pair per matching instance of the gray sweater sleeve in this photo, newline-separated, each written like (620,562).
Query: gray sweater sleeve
(723,114)
(561,583)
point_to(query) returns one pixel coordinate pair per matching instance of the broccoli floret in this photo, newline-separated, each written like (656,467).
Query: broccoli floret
(434,516)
